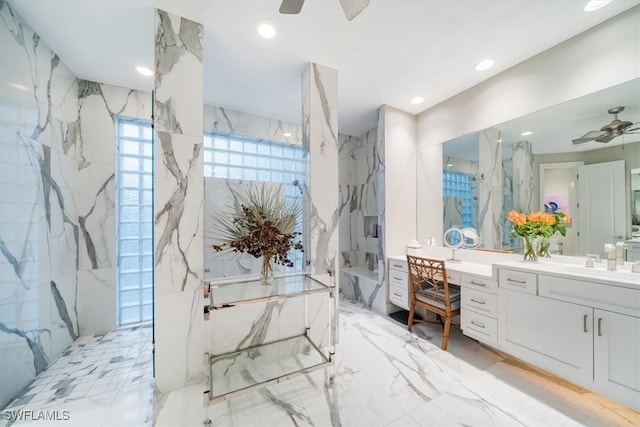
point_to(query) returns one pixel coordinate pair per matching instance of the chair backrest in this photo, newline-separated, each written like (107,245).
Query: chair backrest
(428,281)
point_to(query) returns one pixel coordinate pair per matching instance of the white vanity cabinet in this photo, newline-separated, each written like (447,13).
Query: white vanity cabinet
(399,283)
(554,335)
(584,331)
(479,314)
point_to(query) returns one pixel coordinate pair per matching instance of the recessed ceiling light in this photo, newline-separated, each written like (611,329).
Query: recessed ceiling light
(19,87)
(144,71)
(266,28)
(417,100)
(595,5)
(286,134)
(485,64)
(527,133)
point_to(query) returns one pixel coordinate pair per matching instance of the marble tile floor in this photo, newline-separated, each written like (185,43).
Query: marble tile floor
(385,377)
(108,370)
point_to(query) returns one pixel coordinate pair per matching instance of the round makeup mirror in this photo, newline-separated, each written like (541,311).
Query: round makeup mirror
(470,237)
(453,238)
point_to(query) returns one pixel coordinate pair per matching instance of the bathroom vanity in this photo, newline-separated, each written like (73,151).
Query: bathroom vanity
(582,324)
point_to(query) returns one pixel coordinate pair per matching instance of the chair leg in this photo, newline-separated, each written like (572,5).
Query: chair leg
(412,309)
(445,334)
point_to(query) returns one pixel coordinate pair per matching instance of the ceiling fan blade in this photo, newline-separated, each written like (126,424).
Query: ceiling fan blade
(352,8)
(589,136)
(606,138)
(291,7)
(582,140)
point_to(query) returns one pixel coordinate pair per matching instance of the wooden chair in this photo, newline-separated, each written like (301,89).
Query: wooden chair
(429,290)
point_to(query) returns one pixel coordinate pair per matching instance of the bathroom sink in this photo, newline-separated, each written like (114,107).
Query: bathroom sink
(623,273)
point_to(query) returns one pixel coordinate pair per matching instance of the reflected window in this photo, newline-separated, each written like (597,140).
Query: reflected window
(459,187)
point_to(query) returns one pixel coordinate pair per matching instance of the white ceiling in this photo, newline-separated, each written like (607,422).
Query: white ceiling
(391,52)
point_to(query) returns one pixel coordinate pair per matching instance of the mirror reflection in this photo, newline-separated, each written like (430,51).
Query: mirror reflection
(574,157)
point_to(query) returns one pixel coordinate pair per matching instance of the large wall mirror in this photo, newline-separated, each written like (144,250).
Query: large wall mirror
(531,161)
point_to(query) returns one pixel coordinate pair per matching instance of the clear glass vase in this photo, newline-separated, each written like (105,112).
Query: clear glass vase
(530,248)
(266,274)
(544,246)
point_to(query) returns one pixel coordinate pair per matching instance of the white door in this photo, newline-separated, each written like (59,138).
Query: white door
(601,206)
(616,355)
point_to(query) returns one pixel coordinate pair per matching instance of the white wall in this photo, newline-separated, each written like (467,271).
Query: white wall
(399,225)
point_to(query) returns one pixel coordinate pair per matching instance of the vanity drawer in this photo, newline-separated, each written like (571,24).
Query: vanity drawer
(606,297)
(400,265)
(398,278)
(518,281)
(453,277)
(478,326)
(479,283)
(480,302)
(399,296)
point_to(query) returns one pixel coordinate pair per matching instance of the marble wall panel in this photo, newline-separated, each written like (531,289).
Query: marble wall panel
(94,195)
(58,135)
(179,75)
(369,293)
(230,121)
(178,201)
(490,188)
(179,332)
(95,204)
(96,301)
(178,193)
(523,184)
(320,138)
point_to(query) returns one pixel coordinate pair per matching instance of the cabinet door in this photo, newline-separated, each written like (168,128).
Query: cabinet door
(554,335)
(617,356)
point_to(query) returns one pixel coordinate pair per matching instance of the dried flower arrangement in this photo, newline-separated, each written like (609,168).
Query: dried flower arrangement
(264,227)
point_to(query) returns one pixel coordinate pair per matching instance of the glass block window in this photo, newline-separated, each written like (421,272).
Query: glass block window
(134,206)
(239,157)
(459,184)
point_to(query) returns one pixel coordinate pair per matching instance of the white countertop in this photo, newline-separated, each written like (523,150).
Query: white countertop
(556,266)
(486,265)
(477,269)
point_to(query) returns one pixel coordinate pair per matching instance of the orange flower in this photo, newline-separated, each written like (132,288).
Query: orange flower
(567,218)
(549,218)
(517,218)
(535,216)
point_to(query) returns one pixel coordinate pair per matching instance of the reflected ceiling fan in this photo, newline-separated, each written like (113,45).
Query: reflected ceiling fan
(351,8)
(608,132)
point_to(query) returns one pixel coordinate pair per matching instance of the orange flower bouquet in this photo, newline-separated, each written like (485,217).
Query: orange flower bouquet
(536,225)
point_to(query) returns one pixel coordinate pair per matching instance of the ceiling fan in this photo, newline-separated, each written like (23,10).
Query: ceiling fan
(351,8)
(608,132)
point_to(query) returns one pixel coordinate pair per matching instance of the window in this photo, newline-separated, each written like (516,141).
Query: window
(236,157)
(134,208)
(460,185)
